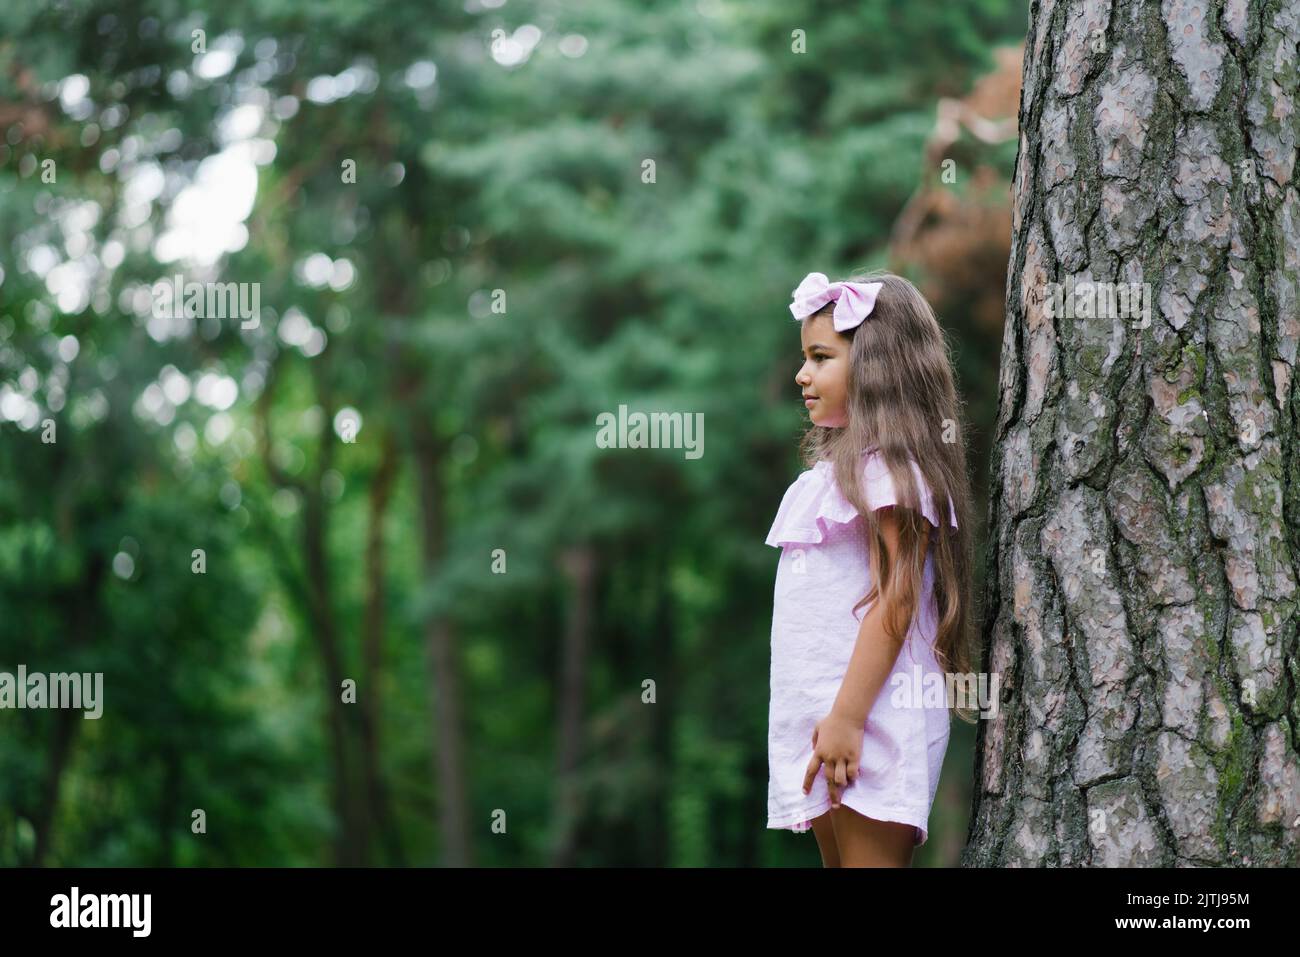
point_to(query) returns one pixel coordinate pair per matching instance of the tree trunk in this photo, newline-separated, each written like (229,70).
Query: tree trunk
(352,843)
(82,608)
(579,568)
(372,651)
(315,591)
(444,662)
(1145,518)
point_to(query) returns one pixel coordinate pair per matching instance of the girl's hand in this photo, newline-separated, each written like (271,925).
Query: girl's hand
(837,745)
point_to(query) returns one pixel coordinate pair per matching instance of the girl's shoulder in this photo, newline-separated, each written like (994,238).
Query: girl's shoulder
(810,506)
(881,490)
(814,501)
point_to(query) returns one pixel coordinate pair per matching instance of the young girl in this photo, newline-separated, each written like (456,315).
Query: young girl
(854,751)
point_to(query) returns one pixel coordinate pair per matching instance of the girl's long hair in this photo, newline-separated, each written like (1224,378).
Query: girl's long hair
(903,401)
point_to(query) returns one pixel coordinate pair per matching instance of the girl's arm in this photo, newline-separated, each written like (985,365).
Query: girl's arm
(875,651)
(837,738)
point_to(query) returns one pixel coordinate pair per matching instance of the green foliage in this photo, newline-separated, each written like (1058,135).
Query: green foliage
(220,687)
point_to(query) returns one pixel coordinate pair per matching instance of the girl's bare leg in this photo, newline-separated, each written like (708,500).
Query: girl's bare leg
(825,831)
(865,842)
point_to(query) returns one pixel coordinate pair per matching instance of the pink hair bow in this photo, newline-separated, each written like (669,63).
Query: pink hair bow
(853,300)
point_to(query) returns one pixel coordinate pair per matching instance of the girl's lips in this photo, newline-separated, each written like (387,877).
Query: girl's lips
(809,402)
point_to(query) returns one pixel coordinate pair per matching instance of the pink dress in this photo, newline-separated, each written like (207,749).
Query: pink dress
(822,573)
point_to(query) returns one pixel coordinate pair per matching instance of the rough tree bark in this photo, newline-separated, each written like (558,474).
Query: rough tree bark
(1145,519)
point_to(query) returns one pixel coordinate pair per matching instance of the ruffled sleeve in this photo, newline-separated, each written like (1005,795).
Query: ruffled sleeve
(814,502)
(880,491)
(810,506)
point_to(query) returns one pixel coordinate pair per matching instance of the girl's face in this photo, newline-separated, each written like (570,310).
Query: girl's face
(824,376)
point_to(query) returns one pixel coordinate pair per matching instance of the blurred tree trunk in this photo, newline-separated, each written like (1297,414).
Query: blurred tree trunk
(381,490)
(80,603)
(170,813)
(1146,508)
(315,591)
(579,566)
(444,663)
(352,842)
(666,631)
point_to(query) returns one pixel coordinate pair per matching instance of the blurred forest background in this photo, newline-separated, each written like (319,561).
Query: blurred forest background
(391,175)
